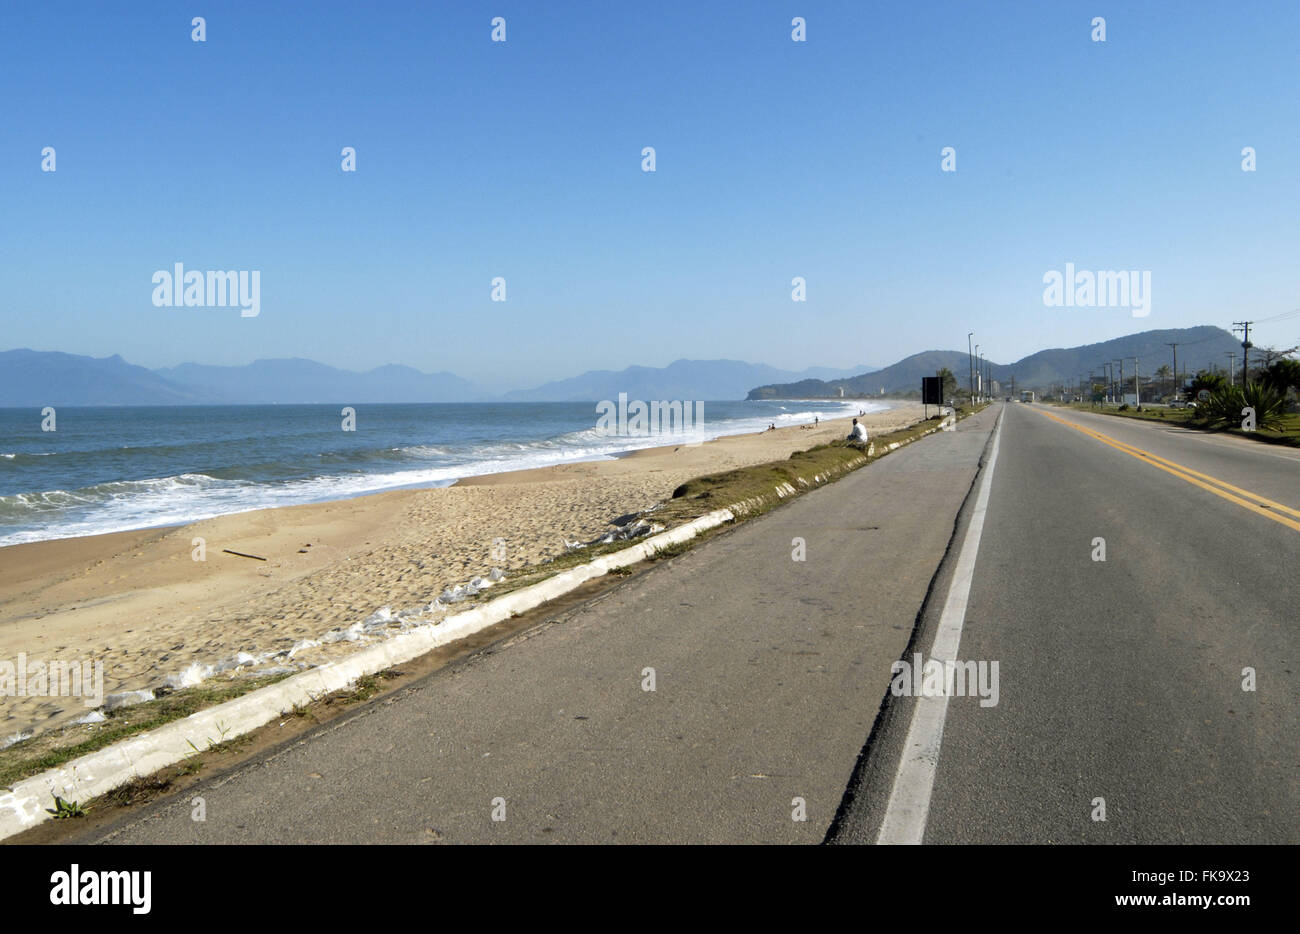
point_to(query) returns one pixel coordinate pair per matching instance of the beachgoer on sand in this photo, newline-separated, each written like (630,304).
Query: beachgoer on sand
(859,432)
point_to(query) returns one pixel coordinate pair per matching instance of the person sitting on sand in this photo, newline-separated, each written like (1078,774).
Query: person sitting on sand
(859,432)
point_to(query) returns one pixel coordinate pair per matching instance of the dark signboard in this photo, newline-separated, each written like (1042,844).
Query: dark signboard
(931,390)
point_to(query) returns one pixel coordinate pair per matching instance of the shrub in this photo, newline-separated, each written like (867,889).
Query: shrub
(1224,407)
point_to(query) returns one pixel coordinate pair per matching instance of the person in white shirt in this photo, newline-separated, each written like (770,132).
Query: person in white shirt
(859,432)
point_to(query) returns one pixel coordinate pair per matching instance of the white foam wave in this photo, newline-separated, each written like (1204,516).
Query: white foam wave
(192,497)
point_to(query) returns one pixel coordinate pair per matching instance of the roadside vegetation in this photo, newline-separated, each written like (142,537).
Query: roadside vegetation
(1215,404)
(43,752)
(1284,429)
(754,488)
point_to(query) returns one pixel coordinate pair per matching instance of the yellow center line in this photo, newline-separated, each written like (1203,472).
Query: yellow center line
(1261,500)
(1257,504)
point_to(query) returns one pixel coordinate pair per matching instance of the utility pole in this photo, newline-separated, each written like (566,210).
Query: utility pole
(1244,326)
(970,367)
(979,382)
(1174,344)
(1232,376)
(1137,383)
(1120,361)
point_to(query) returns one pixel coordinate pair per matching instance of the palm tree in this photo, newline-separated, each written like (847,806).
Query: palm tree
(1282,375)
(1165,373)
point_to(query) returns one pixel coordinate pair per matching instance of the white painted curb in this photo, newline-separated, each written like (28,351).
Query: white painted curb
(98,773)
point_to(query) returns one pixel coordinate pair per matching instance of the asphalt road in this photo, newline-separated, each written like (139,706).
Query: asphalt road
(1119,681)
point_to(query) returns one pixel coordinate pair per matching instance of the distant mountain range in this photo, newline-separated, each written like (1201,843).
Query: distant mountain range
(682,379)
(40,378)
(902,376)
(296,381)
(1198,348)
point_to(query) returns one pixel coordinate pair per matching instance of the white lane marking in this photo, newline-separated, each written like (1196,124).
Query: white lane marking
(909,801)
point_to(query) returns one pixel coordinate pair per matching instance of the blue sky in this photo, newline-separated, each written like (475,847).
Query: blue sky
(522,159)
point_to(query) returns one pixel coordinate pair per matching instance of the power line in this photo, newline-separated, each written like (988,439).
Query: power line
(1280,317)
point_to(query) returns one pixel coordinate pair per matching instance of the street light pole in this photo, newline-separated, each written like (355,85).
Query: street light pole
(1174,344)
(970,367)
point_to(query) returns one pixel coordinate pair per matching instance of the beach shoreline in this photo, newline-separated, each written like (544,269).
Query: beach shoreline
(139,601)
(101,476)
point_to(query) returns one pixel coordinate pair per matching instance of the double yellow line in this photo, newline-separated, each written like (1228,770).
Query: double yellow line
(1235,494)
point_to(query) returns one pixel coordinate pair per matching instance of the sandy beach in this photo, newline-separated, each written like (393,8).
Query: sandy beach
(141,604)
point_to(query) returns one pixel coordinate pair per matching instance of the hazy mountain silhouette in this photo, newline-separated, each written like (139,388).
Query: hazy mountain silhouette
(1198,348)
(682,379)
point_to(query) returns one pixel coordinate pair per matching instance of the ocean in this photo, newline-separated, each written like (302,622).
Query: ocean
(113,469)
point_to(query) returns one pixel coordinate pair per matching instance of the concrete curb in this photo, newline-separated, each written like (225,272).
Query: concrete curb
(98,773)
